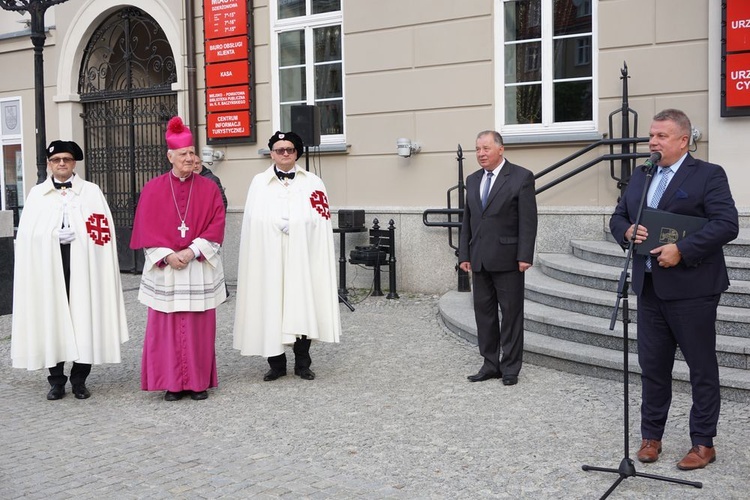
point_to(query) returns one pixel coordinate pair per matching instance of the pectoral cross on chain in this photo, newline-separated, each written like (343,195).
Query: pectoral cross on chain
(183,229)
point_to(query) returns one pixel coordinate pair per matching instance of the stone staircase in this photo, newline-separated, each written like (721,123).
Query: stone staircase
(569,303)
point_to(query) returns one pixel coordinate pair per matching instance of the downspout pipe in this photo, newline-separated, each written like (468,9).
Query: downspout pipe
(191,68)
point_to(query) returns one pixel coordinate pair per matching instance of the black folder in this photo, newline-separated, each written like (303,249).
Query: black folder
(666,227)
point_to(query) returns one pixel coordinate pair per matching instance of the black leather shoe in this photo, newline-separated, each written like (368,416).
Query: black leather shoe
(481,377)
(172,396)
(273,374)
(56,392)
(304,373)
(510,380)
(80,391)
(199,396)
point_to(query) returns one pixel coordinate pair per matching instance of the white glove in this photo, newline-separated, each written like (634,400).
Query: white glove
(283,225)
(67,235)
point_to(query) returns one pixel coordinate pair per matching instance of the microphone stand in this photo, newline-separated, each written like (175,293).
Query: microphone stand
(627,466)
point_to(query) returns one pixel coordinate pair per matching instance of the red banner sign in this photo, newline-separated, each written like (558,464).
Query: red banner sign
(226,49)
(231,73)
(229,125)
(738,25)
(223,18)
(227,98)
(230,83)
(737,84)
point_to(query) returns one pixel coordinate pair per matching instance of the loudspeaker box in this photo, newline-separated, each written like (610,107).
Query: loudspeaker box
(351,218)
(306,123)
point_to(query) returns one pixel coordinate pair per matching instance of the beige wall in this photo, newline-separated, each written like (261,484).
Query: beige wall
(424,70)
(421,69)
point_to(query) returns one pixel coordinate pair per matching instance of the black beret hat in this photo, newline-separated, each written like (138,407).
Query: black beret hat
(65,147)
(287,136)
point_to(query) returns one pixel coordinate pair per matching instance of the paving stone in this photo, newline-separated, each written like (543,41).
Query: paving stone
(390,415)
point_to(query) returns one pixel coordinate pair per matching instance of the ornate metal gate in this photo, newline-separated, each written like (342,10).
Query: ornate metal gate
(125,87)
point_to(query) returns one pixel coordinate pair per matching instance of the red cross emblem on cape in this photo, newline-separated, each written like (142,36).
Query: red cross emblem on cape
(97,227)
(319,202)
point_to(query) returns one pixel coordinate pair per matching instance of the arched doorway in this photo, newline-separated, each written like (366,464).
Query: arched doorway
(125,84)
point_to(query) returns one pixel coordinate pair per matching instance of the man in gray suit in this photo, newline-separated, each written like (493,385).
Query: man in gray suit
(497,245)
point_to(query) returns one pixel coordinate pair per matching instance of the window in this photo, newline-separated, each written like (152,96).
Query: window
(11,181)
(546,68)
(583,51)
(308,57)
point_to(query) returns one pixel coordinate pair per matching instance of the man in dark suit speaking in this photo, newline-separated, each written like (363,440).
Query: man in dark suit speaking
(679,285)
(497,245)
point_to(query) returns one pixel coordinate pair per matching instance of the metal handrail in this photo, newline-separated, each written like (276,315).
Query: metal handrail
(626,157)
(586,166)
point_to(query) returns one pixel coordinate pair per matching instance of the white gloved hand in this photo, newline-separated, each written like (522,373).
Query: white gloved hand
(283,225)
(67,235)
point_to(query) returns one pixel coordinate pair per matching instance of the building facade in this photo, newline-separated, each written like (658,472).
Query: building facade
(546,73)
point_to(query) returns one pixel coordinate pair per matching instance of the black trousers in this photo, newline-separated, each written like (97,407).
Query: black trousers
(662,326)
(493,335)
(80,371)
(301,356)
(78,374)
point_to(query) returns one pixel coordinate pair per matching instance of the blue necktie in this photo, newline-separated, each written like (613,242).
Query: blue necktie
(486,190)
(654,202)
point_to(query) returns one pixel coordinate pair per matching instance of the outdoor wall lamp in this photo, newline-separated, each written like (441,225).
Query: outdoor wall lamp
(209,155)
(405,148)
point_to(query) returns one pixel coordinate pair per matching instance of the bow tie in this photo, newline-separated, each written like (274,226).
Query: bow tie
(281,175)
(60,185)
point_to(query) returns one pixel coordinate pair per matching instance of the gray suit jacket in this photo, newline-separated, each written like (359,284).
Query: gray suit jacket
(503,234)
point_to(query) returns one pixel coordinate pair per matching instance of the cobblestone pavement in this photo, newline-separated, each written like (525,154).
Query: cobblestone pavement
(390,415)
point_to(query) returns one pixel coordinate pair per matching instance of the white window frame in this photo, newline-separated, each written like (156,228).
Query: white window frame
(13,140)
(547,61)
(308,24)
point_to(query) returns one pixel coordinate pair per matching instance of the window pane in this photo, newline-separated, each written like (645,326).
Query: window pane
(523,20)
(327,44)
(573,57)
(573,101)
(572,17)
(328,81)
(291,8)
(523,62)
(292,84)
(331,117)
(291,48)
(523,104)
(320,6)
(286,117)
(13,167)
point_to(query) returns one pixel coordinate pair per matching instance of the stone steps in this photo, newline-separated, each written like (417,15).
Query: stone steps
(731,321)
(572,269)
(573,356)
(570,298)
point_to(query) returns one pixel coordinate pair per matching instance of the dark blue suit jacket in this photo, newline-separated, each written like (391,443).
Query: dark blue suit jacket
(496,238)
(700,189)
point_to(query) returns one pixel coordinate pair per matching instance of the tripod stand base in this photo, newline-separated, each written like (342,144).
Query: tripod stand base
(627,469)
(348,304)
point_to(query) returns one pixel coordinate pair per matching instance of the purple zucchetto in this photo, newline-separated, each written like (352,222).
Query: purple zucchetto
(178,135)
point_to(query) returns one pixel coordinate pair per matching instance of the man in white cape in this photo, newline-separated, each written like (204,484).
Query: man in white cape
(67,296)
(286,288)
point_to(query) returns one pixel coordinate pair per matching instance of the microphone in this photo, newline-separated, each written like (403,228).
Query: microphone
(651,162)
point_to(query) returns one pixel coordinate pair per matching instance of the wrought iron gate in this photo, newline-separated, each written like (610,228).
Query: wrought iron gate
(125,87)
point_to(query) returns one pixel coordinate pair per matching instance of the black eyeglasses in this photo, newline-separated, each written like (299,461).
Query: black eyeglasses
(281,151)
(66,161)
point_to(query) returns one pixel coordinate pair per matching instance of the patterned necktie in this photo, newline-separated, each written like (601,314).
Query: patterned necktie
(486,190)
(665,174)
(654,202)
